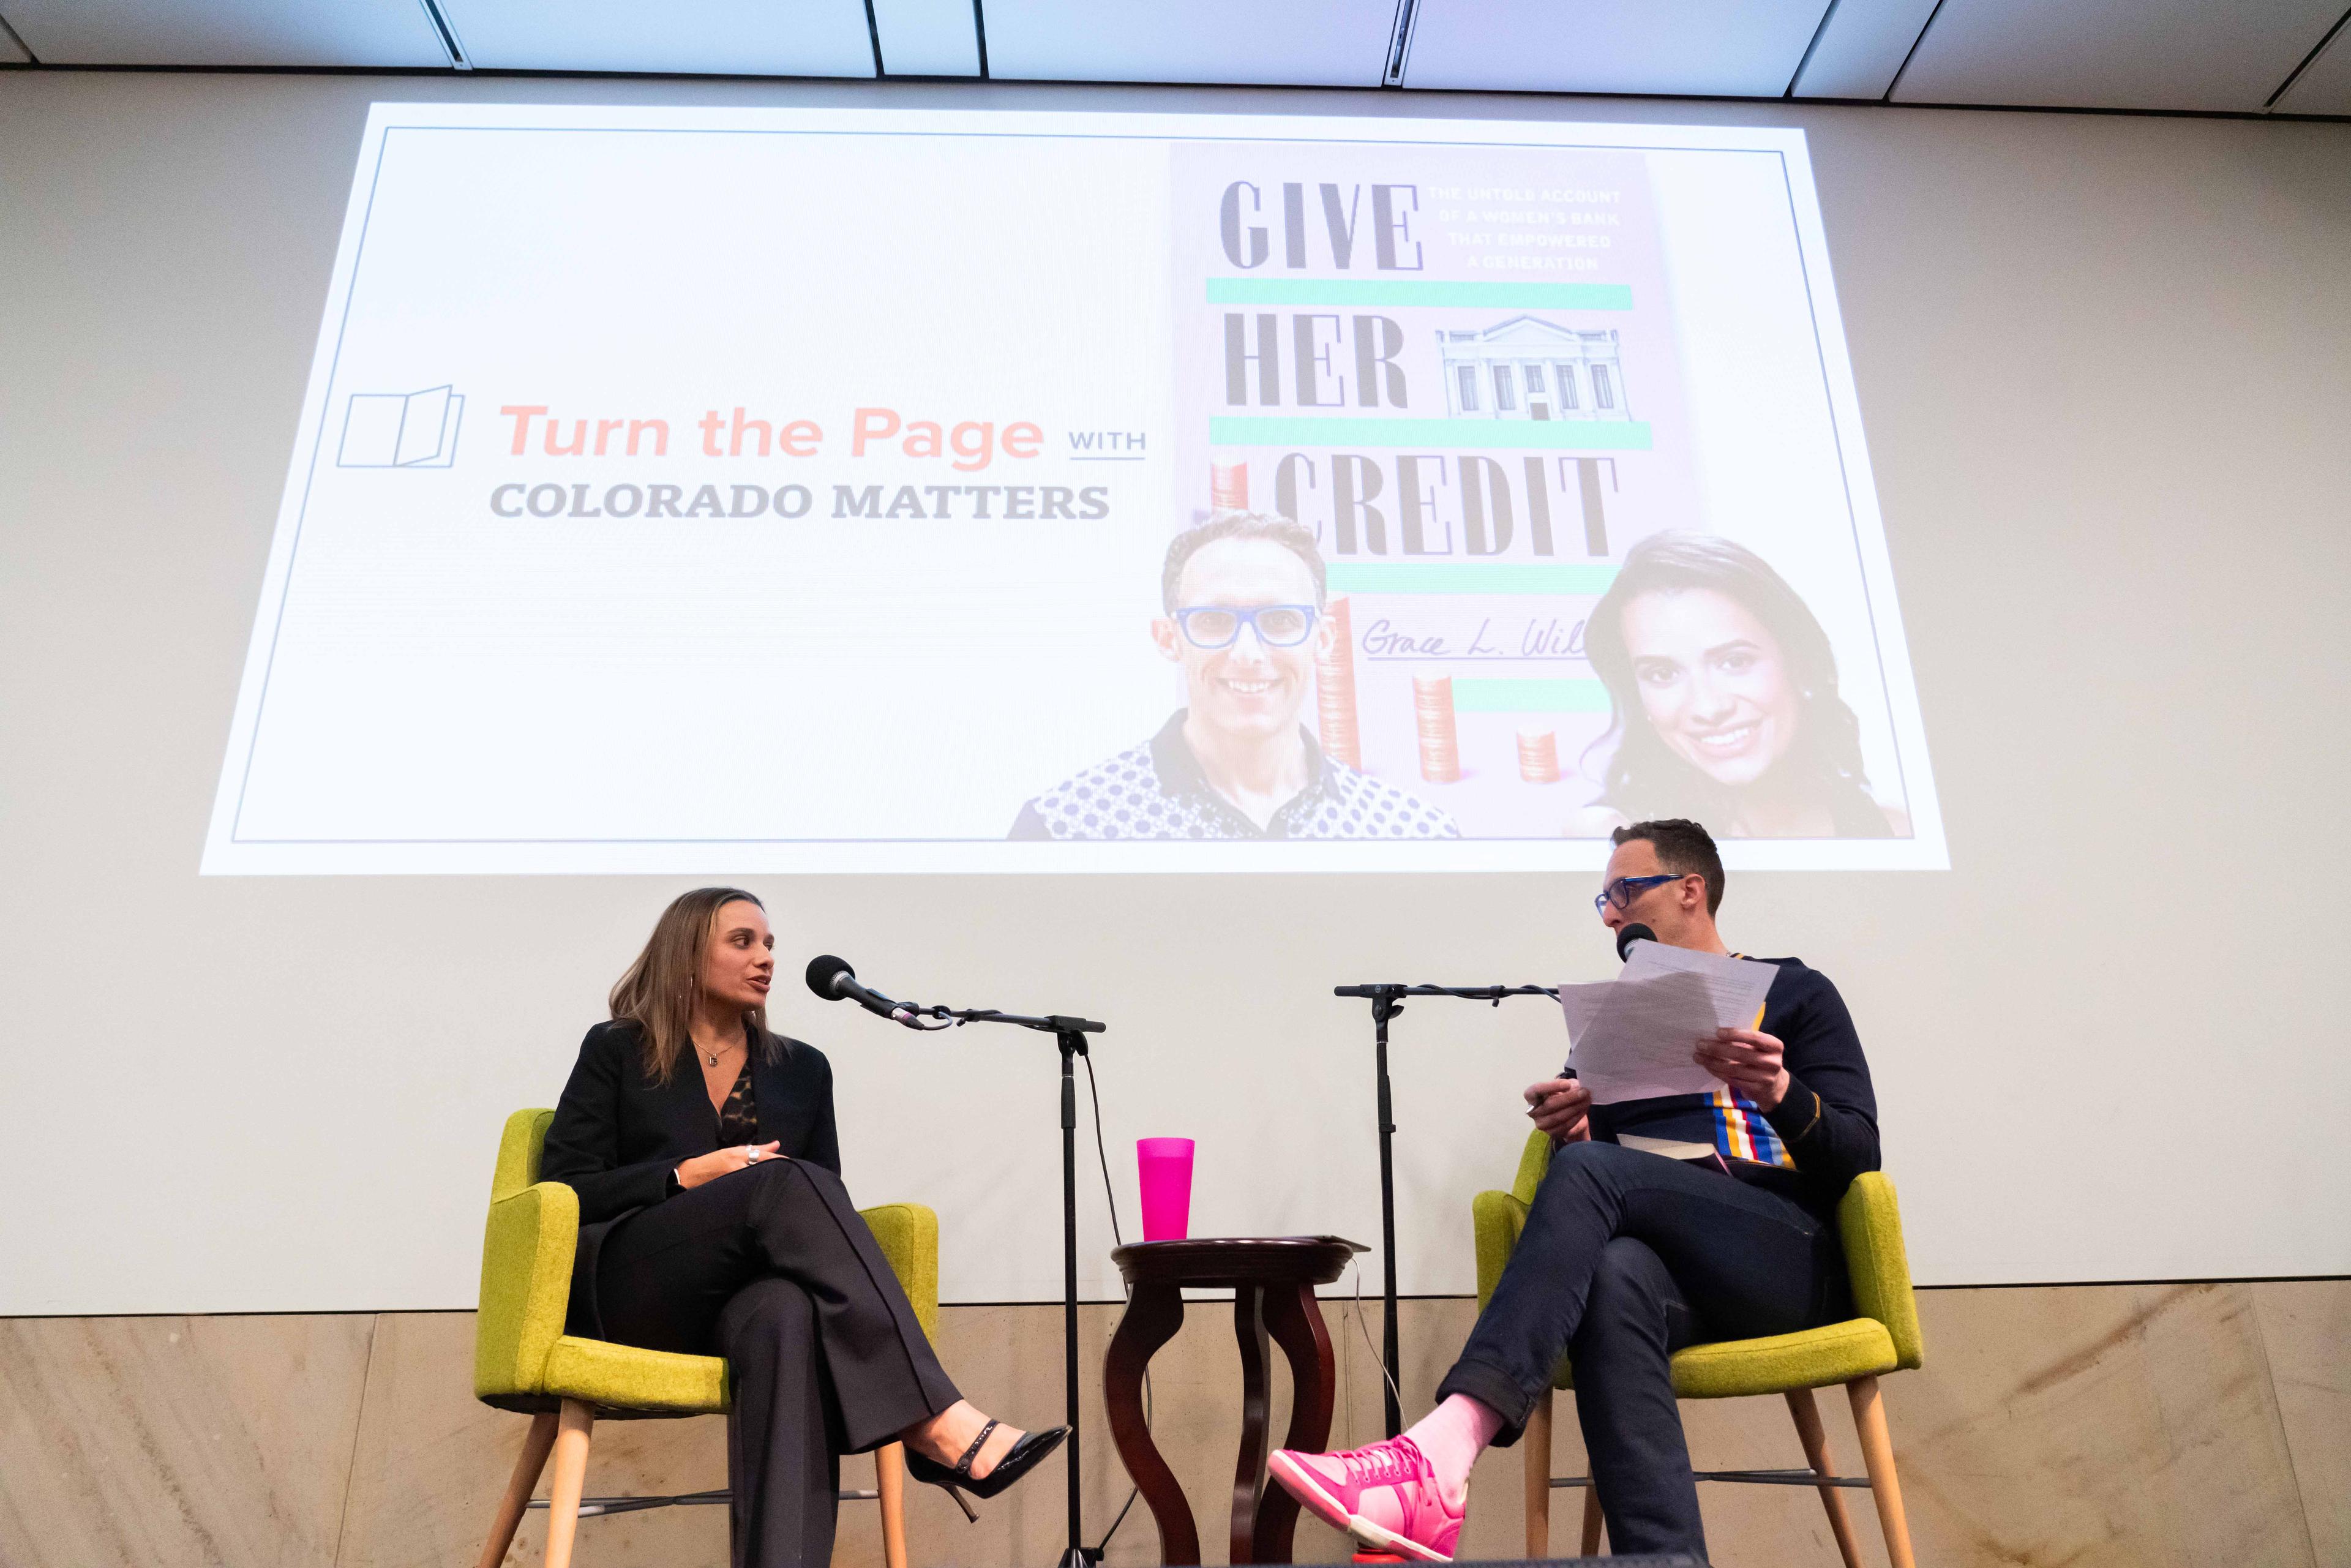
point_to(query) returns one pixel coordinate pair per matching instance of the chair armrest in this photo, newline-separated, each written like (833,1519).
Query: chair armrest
(526,1251)
(1879,1264)
(1534,1164)
(519,1147)
(908,1234)
(1498,1218)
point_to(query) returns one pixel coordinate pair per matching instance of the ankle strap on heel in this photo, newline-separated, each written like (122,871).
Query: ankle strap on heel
(963,1466)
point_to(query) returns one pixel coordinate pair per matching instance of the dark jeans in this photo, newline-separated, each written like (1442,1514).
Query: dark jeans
(771,1268)
(1626,1258)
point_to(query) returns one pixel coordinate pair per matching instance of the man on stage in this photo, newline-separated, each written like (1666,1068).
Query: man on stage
(1629,1255)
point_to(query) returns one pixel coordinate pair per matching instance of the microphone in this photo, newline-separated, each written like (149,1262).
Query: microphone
(834,980)
(1625,936)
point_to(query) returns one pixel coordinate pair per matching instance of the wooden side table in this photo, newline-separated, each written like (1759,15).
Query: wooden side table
(1272,1280)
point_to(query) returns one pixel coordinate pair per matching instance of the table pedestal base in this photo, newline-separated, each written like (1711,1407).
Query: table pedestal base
(1272,1283)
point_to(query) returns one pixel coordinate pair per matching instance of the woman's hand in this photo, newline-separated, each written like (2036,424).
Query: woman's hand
(1558,1106)
(718,1161)
(1748,1060)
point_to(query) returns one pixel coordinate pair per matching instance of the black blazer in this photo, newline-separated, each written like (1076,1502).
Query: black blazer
(617,1135)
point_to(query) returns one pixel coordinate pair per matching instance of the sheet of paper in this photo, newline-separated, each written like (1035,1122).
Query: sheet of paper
(1633,1036)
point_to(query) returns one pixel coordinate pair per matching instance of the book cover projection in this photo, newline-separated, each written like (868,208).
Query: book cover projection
(793,490)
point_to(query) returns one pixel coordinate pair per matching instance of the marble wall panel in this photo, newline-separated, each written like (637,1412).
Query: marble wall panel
(2128,1425)
(2307,1335)
(2169,1427)
(164,1442)
(431,1462)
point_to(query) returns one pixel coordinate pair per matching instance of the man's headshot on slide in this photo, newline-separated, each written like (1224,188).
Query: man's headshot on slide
(1243,599)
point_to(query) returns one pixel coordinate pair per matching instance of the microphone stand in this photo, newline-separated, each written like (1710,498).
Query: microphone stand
(1070,1034)
(1387,1000)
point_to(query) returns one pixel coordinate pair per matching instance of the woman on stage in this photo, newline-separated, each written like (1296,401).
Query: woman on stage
(713,1222)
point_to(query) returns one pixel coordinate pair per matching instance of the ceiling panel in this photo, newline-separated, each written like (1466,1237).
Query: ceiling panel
(1861,47)
(927,38)
(245,33)
(1746,47)
(748,37)
(2115,54)
(1297,43)
(2325,85)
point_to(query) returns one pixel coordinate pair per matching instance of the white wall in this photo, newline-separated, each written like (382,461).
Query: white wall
(2105,365)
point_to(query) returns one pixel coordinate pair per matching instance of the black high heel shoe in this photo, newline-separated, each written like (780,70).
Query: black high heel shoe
(1018,1461)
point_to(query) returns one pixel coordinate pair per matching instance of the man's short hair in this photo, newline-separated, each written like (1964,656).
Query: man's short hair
(1684,848)
(1293,537)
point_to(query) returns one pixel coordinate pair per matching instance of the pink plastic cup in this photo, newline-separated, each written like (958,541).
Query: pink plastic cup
(1162,1166)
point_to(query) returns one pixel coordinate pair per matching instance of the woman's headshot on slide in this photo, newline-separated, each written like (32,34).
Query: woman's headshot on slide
(1724,705)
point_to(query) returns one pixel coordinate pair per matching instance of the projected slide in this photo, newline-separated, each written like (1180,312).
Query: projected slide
(793,490)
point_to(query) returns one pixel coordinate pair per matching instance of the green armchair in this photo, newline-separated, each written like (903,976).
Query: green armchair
(523,1362)
(1853,1353)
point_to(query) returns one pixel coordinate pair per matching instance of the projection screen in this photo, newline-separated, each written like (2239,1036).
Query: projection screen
(859,447)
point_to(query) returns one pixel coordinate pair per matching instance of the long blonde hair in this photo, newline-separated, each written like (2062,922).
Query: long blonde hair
(658,992)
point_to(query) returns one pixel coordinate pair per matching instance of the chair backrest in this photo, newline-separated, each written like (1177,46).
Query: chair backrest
(526,1251)
(908,1236)
(1871,1224)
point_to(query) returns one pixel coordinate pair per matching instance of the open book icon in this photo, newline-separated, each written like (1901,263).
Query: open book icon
(401,430)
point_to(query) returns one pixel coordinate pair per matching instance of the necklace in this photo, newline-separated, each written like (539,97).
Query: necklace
(712,1056)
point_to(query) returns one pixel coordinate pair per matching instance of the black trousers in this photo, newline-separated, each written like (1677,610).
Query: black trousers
(771,1268)
(1626,1258)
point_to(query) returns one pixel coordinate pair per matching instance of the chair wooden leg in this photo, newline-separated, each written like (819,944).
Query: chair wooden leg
(1815,1439)
(890,1481)
(1537,1445)
(1591,1545)
(570,1479)
(524,1480)
(1878,1454)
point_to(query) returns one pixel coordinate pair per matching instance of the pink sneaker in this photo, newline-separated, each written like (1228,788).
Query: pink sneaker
(1384,1496)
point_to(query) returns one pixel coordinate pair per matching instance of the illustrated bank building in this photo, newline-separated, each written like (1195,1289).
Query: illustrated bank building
(1526,368)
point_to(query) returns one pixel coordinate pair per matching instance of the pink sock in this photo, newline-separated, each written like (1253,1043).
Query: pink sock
(1452,1436)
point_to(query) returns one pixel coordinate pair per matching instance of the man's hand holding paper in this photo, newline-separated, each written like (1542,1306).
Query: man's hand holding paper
(1749,1061)
(1676,1021)
(1559,1106)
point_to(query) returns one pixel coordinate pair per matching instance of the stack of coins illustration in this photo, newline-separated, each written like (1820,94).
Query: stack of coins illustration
(1538,754)
(1227,485)
(1334,687)
(1431,712)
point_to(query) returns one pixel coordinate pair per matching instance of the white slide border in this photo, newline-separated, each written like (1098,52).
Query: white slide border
(1925,850)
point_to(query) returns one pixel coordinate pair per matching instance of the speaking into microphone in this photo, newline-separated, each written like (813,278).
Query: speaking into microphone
(1625,936)
(834,980)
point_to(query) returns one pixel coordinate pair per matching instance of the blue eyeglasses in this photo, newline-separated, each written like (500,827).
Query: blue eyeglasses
(1625,889)
(1219,625)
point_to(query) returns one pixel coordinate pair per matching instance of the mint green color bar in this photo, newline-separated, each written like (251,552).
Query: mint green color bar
(1469,577)
(1352,291)
(1529,696)
(1456,434)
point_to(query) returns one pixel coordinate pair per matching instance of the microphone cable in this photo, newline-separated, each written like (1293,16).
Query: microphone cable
(1110,1196)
